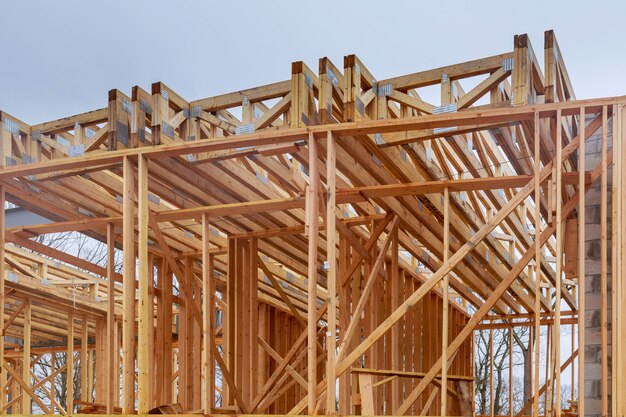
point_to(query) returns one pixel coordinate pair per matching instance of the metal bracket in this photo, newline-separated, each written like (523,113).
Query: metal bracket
(360,106)
(145,106)
(167,130)
(384,90)
(196,111)
(439,130)
(122,133)
(85,212)
(507,64)
(127,106)
(11,126)
(308,80)
(243,129)
(332,77)
(62,141)
(154,198)
(446,108)
(77,150)
(262,178)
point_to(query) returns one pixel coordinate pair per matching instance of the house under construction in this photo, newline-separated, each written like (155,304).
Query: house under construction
(326,244)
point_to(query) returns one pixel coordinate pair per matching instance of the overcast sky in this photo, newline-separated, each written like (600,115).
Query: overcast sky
(60,58)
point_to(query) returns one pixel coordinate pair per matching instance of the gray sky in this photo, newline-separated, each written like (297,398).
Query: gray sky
(61,58)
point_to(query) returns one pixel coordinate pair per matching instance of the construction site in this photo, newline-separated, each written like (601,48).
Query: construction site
(328,244)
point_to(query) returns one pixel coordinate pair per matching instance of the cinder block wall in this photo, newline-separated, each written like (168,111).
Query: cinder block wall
(593,351)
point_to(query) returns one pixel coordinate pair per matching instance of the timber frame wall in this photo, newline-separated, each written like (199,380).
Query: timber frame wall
(329,226)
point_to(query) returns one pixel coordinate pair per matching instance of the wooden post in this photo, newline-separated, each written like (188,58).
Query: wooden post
(229,319)
(313,228)
(69,369)
(396,336)
(84,358)
(446,291)
(522,82)
(128,361)
(53,360)
(331,249)
(112,374)
(537,306)
(145,302)
(208,316)
(26,399)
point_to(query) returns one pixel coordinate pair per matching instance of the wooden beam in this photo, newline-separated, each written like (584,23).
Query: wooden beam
(27,328)
(112,374)
(367,395)
(407,374)
(128,323)
(446,291)
(208,318)
(331,275)
(483,88)
(559,259)
(69,370)
(145,302)
(537,265)
(313,231)
(265,137)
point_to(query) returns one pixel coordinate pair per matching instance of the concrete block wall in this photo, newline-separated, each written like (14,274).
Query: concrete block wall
(593,352)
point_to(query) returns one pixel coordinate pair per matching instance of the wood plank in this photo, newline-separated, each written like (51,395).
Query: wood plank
(313,231)
(128,320)
(145,302)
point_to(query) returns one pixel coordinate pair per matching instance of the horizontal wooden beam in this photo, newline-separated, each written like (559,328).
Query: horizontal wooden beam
(268,137)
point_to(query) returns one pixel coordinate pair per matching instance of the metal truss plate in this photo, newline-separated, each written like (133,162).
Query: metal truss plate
(446,108)
(167,130)
(243,129)
(77,150)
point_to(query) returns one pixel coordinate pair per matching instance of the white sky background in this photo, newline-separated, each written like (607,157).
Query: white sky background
(61,58)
